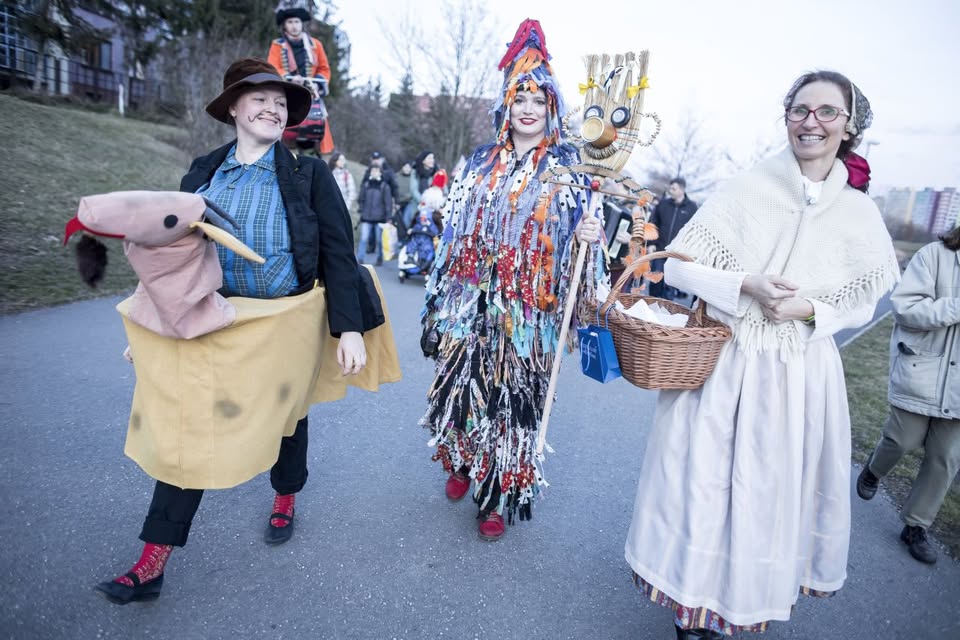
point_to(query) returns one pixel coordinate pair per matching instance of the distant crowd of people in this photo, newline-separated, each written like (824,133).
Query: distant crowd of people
(387,197)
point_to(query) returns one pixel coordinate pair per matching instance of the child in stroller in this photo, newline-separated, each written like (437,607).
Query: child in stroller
(416,256)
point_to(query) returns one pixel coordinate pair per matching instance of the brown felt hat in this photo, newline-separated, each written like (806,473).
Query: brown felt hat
(246,73)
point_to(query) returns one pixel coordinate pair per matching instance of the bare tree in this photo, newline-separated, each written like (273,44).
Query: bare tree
(362,123)
(457,66)
(764,147)
(401,34)
(684,151)
(193,85)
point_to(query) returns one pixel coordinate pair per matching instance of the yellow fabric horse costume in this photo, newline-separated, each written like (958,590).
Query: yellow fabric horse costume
(219,380)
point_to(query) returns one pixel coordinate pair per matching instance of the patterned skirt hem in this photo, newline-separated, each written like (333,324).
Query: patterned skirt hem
(703,618)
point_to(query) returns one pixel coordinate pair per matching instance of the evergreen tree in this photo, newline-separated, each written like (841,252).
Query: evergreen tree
(406,118)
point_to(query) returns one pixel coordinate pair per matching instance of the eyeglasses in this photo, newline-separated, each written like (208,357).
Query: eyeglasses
(825,113)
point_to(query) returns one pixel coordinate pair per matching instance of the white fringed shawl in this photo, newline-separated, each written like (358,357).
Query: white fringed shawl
(837,250)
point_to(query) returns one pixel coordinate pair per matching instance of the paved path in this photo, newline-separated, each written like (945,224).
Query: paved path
(379,552)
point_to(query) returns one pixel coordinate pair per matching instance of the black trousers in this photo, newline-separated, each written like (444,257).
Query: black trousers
(172,508)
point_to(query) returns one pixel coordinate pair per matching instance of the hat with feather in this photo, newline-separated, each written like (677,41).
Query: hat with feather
(526,67)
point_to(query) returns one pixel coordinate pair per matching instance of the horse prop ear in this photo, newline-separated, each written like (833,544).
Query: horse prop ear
(91,260)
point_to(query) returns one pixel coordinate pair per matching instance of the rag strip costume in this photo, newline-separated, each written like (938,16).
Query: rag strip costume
(743,498)
(496,295)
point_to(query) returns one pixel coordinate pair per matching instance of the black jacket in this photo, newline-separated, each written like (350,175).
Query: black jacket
(388,175)
(670,218)
(321,232)
(375,201)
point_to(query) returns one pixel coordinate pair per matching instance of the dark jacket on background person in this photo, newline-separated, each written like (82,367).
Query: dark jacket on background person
(376,201)
(389,176)
(669,217)
(321,232)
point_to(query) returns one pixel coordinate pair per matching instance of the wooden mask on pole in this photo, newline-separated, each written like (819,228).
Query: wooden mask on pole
(613,109)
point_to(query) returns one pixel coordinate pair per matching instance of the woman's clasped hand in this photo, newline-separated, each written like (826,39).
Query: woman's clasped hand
(777,297)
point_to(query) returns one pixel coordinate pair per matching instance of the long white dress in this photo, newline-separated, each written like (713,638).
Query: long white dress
(744,491)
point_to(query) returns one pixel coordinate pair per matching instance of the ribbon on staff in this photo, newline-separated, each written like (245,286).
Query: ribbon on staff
(633,90)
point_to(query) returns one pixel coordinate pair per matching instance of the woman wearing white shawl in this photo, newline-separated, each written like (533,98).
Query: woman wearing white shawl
(743,500)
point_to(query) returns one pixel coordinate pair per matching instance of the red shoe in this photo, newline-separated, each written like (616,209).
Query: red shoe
(280,526)
(492,527)
(457,486)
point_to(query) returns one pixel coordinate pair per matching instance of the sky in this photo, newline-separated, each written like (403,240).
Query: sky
(729,63)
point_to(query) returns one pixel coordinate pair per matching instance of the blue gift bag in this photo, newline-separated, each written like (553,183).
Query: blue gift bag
(598,357)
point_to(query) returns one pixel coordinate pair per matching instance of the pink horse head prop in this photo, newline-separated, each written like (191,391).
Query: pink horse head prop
(164,237)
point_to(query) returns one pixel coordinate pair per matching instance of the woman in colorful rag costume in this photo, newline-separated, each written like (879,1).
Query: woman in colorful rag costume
(290,212)
(495,296)
(744,494)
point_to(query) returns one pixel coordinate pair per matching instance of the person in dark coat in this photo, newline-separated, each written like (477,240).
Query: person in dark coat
(670,215)
(389,176)
(376,207)
(291,212)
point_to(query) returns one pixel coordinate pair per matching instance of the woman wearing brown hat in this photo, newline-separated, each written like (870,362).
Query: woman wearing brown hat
(290,212)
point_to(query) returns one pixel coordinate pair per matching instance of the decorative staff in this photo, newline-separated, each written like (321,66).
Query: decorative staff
(613,103)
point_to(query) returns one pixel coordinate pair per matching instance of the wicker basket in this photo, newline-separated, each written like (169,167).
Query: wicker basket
(655,356)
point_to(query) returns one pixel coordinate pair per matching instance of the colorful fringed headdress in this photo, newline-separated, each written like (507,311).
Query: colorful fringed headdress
(526,67)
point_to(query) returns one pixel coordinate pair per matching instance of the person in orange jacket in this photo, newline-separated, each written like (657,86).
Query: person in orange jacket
(298,56)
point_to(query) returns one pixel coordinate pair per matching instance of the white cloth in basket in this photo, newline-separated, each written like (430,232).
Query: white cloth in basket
(642,311)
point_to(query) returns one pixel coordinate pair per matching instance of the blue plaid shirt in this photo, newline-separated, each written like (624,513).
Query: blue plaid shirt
(251,194)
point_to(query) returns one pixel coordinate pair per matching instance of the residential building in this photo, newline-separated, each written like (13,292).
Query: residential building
(898,208)
(97,73)
(924,203)
(947,211)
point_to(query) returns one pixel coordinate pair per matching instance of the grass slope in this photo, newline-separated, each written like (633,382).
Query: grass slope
(52,157)
(866,366)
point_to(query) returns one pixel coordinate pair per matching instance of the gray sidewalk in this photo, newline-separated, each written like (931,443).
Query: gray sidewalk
(379,552)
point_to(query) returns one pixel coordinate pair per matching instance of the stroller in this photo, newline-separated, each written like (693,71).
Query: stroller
(416,256)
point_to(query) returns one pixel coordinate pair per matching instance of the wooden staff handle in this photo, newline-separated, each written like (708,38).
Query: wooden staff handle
(564,327)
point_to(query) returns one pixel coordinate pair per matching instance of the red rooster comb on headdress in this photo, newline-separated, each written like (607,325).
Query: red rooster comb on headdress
(528,29)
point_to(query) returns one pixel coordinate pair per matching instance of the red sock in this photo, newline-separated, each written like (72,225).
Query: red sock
(151,563)
(284,505)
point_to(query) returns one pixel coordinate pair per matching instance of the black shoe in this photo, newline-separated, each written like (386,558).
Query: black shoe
(279,535)
(867,483)
(118,593)
(379,262)
(916,541)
